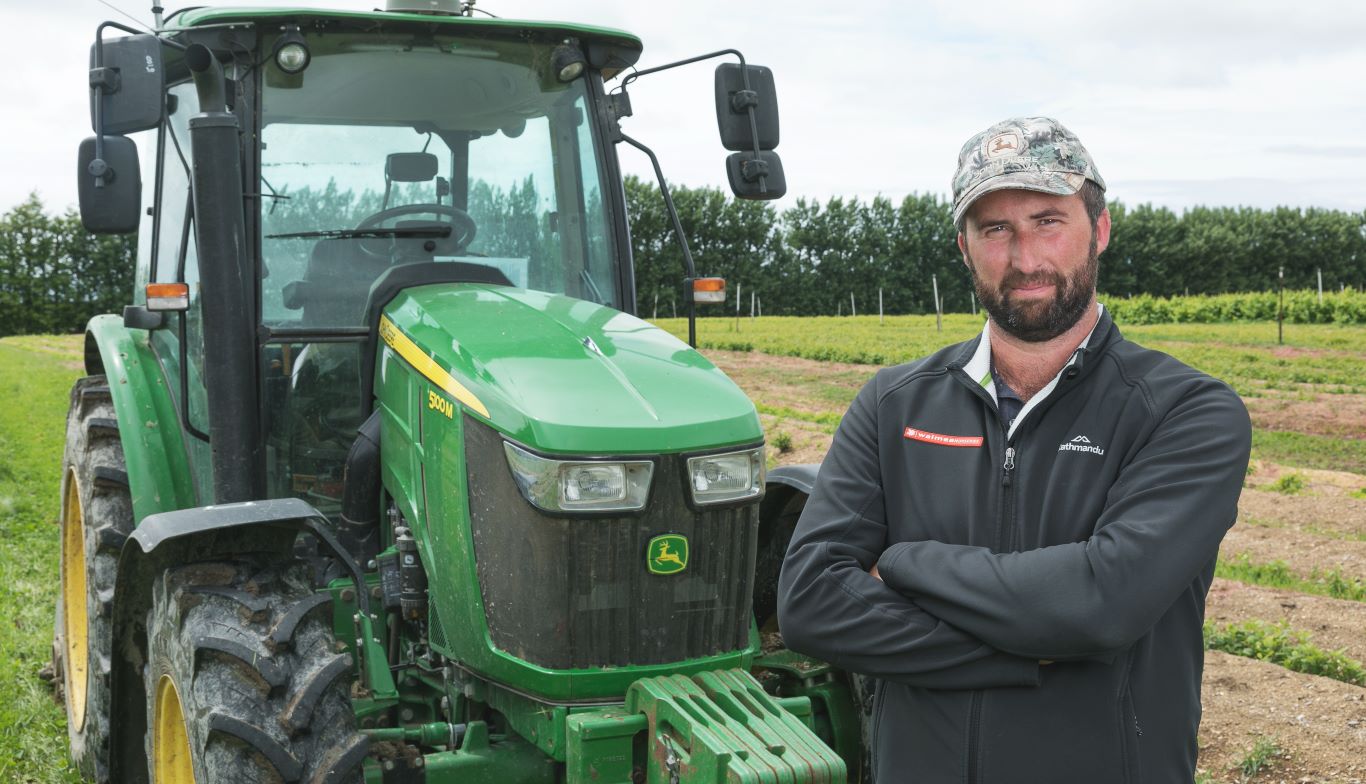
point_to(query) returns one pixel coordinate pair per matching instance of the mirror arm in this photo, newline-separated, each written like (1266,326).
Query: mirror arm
(745,100)
(634,75)
(678,229)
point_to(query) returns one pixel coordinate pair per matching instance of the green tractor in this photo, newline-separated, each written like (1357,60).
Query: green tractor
(379,478)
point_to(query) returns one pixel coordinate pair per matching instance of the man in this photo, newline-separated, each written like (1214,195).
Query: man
(1015,535)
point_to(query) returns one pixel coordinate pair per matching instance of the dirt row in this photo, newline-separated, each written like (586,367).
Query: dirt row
(1319,723)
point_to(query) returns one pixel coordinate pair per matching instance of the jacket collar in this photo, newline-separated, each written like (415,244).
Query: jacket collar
(975,359)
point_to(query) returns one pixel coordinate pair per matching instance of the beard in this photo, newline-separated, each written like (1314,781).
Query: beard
(1039,321)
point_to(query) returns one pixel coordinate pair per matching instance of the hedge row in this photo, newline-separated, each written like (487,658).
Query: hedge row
(1301,307)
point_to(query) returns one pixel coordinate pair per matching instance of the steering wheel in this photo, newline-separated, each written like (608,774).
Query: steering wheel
(462,228)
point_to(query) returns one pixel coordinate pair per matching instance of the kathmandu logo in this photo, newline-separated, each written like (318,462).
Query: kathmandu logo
(1080,444)
(667,554)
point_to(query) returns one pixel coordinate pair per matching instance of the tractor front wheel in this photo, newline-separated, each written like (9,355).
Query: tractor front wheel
(244,678)
(97,518)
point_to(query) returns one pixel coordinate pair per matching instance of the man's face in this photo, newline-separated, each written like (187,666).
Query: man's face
(1033,258)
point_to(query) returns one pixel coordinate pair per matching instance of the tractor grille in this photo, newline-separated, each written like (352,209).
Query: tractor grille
(570,593)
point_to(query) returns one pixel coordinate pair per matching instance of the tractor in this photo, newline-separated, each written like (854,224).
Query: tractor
(378,477)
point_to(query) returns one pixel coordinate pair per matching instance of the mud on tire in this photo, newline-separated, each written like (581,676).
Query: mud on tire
(248,647)
(97,518)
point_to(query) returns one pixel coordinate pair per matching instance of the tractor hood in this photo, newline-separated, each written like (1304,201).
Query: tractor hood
(565,375)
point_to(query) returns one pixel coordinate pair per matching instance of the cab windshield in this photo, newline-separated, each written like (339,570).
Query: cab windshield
(401,149)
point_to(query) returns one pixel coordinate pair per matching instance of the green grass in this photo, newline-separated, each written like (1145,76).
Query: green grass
(35,380)
(1291,483)
(1259,758)
(1277,574)
(1316,530)
(1305,450)
(1279,644)
(827,420)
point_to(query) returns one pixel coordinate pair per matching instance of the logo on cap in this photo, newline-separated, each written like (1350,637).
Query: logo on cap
(1003,144)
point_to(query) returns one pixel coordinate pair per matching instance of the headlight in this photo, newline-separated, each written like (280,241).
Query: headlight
(580,485)
(732,476)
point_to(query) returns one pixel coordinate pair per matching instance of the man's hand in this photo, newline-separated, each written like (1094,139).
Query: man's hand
(874,572)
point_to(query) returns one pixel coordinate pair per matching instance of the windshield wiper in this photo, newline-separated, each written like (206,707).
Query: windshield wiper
(350,234)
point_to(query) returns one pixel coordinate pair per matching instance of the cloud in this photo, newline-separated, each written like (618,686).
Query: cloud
(877,97)
(1319,150)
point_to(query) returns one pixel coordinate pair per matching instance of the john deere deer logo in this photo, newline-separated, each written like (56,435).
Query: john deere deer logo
(667,554)
(1004,144)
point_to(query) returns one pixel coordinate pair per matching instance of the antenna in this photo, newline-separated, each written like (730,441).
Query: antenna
(135,20)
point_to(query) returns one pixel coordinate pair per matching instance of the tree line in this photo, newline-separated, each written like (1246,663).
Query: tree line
(807,259)
(54,275)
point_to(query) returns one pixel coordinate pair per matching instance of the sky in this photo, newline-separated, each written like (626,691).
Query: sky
(1235,102)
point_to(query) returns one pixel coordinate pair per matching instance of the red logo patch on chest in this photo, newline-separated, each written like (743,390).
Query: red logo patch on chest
(941,439)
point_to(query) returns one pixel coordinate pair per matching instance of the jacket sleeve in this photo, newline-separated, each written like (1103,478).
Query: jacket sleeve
(1162,524)
(830,607)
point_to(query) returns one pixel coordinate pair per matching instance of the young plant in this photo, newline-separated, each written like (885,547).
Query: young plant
(1278,644)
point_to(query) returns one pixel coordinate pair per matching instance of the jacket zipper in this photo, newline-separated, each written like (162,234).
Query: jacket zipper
(1005,535)
(1006,539)
(1005,532)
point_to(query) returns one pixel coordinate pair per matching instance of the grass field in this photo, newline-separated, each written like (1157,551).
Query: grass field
(1292,569)
(35,376)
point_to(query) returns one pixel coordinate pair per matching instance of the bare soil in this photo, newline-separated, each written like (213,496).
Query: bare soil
(1331,515)
(1324,414)
(1306,554)
(810,442)
(1319,723)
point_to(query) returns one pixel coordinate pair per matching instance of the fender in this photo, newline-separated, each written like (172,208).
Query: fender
(785,495)
(186,536)
(798,477)
(158,468)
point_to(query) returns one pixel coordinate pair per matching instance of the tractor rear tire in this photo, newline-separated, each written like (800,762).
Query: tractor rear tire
(244,679)
(97,518)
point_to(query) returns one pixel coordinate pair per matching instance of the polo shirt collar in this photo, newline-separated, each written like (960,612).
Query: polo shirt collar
(979,367)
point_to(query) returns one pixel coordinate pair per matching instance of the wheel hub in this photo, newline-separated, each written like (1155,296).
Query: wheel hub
(170,741)
(76,629)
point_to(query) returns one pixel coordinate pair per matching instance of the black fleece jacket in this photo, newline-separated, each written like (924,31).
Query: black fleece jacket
(1086,536)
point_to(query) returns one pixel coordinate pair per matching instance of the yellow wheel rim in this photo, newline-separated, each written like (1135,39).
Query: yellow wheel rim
(170,742)
(77,665)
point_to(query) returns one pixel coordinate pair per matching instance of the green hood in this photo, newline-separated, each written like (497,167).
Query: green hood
(564,375)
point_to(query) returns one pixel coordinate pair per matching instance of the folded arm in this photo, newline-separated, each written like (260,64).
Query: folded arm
(830,607)
(1162,524)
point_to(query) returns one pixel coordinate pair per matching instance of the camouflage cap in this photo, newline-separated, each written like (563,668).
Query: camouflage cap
(1031,153)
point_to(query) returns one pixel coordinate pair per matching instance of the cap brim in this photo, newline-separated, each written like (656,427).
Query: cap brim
(1055,183)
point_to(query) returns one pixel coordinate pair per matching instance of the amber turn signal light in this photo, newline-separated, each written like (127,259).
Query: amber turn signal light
(168,296)
(709,290)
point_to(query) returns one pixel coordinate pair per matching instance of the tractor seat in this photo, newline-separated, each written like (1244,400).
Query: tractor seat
(335,285)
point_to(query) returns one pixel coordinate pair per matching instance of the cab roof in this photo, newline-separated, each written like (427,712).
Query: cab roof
(618,49)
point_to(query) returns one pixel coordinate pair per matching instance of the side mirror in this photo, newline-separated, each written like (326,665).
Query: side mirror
(127,86)
(110,186)
(734,101)
(756,177)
